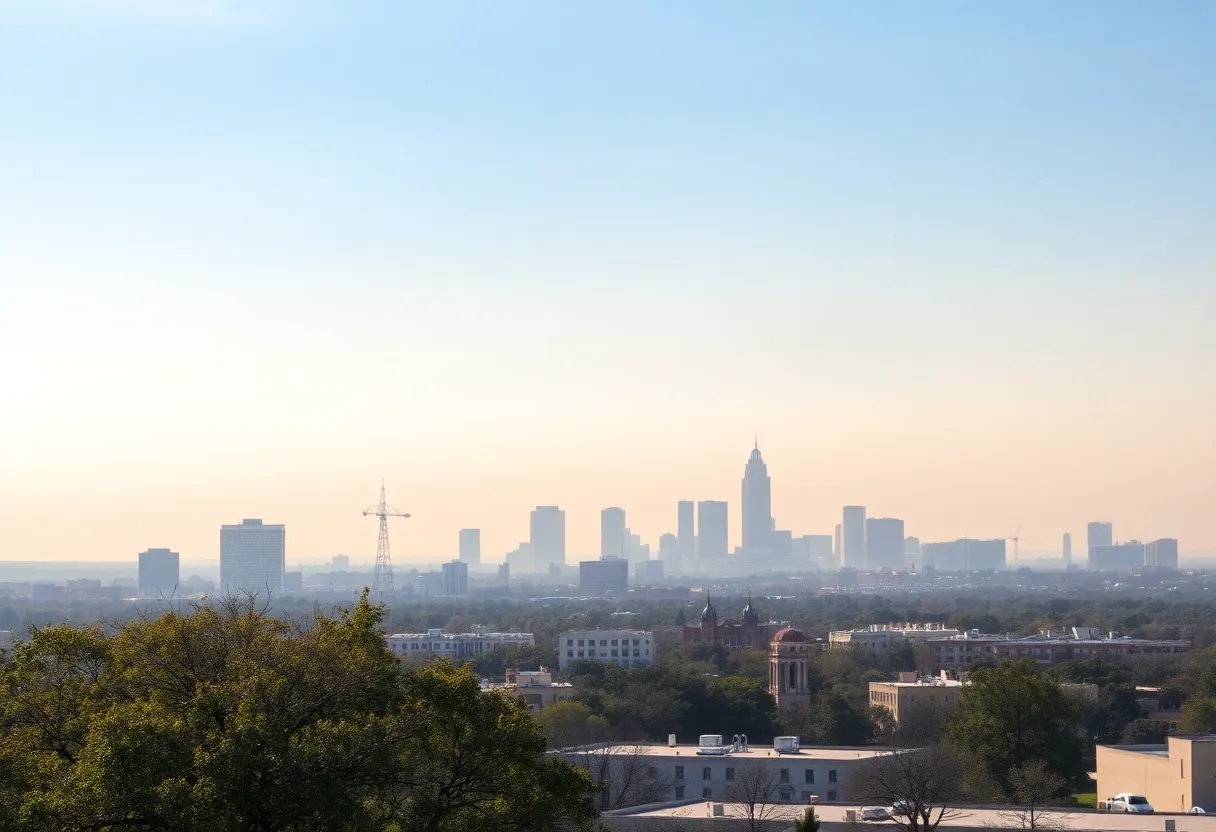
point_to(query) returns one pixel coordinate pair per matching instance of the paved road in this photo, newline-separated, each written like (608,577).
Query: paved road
(970,818)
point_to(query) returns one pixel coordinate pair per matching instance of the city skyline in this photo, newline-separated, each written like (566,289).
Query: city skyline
(951,263)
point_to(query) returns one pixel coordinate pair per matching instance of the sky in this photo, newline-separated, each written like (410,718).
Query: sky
(952,261)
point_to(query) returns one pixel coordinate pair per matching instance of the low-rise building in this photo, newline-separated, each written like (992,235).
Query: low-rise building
(879,638)
(624,648)
(962,651)
(454,646)
(719,768)
(1175,776)
(535,687)
(912,695)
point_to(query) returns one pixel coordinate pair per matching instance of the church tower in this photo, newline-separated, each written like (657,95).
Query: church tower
(788,657)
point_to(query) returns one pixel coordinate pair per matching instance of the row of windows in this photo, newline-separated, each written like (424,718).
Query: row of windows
(808,775)
(707,793)
(605,642)
(591,654)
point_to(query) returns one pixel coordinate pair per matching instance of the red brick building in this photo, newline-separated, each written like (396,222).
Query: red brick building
(746,632)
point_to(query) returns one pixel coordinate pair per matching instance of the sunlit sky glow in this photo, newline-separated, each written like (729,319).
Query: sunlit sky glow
(953,261)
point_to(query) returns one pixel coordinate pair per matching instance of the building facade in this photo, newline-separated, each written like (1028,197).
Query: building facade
(853,537)
(613,538)
(603,577)
(1097,534)
(1174,776)
(964,555)
(713,542)
(470,546)
(456,578)
(757,506)
(961,651)
(748,631)
(879,638)
(253,557)
(788,672)
(911,696)
(453,646)
(548,538)
(159,573)
(884,543)
(535,687)
(624,648)
(686,537)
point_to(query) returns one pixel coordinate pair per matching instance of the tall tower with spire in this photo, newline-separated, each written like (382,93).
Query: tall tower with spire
(757,505)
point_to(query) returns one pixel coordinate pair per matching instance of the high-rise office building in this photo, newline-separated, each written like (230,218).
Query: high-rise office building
(470,546)
(712,540)
(813,551)
(853,537)
(686,534)
(757,506)
(912,550)
(614,539)
(837,548)
(885,543)
(1162,553)
(456,578)
(253,557)
(669,553)
(965,555)
(1067,550)
(600,577)
(548,538)
(1097,534)
(159,573)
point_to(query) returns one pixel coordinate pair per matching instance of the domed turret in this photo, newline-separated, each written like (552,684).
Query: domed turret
(788,635)
(709,613)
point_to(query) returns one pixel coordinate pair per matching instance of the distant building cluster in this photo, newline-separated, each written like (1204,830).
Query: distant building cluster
(535,688)
(747,631)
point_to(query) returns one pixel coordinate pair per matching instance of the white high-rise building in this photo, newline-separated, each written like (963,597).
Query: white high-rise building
(686,534)
(252,557)
(1067,550)
(853,537)
(614,538)
(757,507)
(470,546)
(548,538)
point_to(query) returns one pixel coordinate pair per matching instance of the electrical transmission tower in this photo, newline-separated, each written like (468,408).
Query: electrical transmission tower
(382,580)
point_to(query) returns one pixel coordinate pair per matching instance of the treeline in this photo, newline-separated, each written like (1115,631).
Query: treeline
(222,717)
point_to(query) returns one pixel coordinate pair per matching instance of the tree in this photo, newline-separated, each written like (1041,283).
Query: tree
(923,787)
(1145,732)
(1198,715)
(570,724)
(755,790)
(840,723)
(809,822)
(624,774)
(1010,715)
(1033,786)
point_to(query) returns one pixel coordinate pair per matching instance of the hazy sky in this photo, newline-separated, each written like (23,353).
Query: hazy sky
(954,261)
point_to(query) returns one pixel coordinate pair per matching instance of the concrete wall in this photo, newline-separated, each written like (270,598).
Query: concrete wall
(1172,782)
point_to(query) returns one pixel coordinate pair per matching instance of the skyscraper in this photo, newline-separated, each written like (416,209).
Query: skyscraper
(613,537)
(456,578)
(158,573)
(885,543)
(252,557)
(686,534)
(470,546)
(837,548)
(1097,534)
(712,539)
(548,537)
(757,505)
(669,553)
(853,537)
(1067,550)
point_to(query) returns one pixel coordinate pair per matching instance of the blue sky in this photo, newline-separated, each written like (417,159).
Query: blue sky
(454,243)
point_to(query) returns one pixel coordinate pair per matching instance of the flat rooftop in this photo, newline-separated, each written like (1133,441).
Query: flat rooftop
(814,752)
(971,818)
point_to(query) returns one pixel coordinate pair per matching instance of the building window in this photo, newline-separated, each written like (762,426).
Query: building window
(614,642)
(636,654)
(810,775)
(832,775)
(705,772)
(614,654)
(580,642)
(679,772)
(580,654)
(603,642)
(787,794)
(569,642)
(635,642)
(679,792)
(785,775)
(730,774)
(831,795)
(569,654)
(707,793)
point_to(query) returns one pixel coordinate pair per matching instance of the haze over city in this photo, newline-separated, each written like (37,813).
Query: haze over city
(955,265)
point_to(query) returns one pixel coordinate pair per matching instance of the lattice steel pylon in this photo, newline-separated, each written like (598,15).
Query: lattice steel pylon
(382,579)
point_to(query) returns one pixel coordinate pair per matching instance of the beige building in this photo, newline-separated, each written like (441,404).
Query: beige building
(1174,777)
(913,695)
(879,638)
(535,687)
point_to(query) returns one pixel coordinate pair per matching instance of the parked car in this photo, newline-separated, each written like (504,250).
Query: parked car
(1135,804)
(874,813)
(1197,810)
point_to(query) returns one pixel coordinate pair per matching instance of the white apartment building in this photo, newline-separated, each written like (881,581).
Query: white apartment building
(717,767)
(454,646)
(625,648)
(882,637)
(253,556)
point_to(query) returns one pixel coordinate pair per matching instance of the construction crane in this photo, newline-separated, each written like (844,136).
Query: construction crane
(1015,540)
(382,578)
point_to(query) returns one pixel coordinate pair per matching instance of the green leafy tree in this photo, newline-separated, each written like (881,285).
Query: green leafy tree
(1198,715)
(1010,715)
(841,722)
(809,822)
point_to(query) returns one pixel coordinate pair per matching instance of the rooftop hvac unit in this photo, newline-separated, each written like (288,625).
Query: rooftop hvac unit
(671,740)
(785,745)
